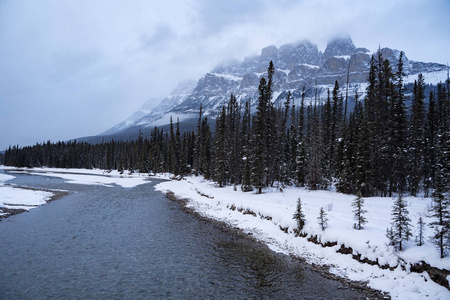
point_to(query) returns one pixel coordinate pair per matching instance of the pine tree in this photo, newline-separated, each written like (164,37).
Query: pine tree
(431,139)
(417,136)
(233,141)
(364,170)
(220,154)
(314,177)
(205,149)
(261,136)
(419,237)
(401,226)
(398,133)
(336,125)
(328,135)
(441,212)
(323,220)
(198,144)
(246,150)
(301,161)
(258,171)
(299,216)
(359,212)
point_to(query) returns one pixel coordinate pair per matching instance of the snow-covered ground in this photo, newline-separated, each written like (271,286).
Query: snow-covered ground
(13,197)
(17,198)
(87,176)
(275,209)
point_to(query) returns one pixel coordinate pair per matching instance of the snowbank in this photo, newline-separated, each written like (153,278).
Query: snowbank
(17,198)
(89,177)
(264,215)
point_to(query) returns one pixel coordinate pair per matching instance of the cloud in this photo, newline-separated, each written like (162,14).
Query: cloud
(75,68)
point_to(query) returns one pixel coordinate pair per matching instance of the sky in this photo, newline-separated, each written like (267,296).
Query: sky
(76,68)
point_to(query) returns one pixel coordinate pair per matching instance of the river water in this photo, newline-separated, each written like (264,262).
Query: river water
(132,243)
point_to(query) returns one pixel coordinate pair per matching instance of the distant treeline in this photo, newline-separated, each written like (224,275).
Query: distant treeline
(381,147)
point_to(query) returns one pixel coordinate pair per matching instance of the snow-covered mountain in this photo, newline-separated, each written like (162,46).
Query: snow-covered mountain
(145,109)
(297,65)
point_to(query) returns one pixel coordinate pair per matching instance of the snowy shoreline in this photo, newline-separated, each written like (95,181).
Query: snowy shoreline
(18,199)
(269,219)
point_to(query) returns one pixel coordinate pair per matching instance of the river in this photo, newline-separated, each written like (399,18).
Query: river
(133,243)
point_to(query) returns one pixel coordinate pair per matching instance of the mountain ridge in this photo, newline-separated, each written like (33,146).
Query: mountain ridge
(297,65)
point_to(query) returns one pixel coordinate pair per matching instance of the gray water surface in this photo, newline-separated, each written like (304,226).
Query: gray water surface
(132,243)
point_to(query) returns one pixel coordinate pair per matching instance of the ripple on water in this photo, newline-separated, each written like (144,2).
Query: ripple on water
(115,243)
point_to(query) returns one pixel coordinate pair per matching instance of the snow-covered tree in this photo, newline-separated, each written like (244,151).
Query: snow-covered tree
(323,220)
(420,228)
(299,216)
(401,226)
(358,210)
(441,212)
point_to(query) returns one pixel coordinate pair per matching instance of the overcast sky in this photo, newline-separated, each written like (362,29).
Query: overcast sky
(76,68)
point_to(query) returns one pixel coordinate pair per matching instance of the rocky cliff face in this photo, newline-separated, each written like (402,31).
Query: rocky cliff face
(297,65)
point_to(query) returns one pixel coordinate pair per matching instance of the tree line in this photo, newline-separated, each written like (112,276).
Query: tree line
(382,147)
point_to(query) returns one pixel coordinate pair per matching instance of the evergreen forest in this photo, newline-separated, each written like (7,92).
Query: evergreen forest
(381,147)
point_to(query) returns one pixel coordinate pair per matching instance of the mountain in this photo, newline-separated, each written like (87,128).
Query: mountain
(297,66)
(145,109)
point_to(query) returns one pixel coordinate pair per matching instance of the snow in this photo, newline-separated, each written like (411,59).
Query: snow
(311,66)
(11,197)
(275,95)
(274,210)
(20,198)
(346,57)
(284,71)
(17,198)
(90,177)
(165,120)
(227,76)
(430,77)
(213,202)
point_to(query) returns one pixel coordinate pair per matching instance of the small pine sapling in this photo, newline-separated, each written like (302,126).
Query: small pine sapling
(299,216)
(323,220)
(391,236)
(419,237)
(359,212)
(401,226)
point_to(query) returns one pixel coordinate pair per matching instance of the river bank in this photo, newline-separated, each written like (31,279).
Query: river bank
(268,219)
(359,286)
(347,252)
(105,241)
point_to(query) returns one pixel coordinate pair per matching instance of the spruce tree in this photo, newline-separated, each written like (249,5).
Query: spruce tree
(440,210)
(416,136)
(323,220)
(246,150)
(328,135)
(299,216)
(259,128)
(220,154)
(358,205)
(301,156)
(420,228)
(398,133)
(431,139)
(401,223)
(198,144)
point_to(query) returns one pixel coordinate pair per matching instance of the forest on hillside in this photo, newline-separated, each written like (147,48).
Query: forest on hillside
(381,147)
